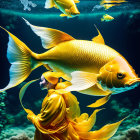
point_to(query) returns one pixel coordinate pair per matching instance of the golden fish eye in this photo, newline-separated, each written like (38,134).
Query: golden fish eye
(120,75)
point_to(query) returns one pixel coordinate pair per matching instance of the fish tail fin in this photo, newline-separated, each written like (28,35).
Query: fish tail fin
(21,59)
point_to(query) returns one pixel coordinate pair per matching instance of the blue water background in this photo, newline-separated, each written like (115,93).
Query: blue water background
(122,34)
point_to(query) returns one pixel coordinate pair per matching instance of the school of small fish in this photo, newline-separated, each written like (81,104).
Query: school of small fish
(89,67)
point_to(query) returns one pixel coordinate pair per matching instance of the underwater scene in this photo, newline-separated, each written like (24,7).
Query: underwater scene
(69,70)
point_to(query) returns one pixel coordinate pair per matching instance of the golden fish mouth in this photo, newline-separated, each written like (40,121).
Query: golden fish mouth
(133,82)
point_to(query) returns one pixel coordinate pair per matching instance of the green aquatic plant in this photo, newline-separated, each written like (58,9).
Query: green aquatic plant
(3,119)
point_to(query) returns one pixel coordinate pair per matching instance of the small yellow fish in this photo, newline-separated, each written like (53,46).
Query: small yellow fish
(107,18)
(92,67)
(68,7)
(110,3)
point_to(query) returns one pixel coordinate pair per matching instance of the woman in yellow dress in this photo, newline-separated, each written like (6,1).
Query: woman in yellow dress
(60,119)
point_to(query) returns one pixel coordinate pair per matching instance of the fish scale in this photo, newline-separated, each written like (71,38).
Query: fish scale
(80,54)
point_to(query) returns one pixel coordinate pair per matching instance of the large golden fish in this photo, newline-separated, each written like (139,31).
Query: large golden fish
(92,67)
(68,7)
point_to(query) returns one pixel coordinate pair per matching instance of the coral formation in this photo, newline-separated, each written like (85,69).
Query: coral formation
(20,137)
(130,129)
(14,133)
(3,120)
(130,134)
(124,109)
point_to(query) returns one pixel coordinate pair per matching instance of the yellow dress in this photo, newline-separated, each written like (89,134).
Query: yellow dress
(60,118)
(53,122)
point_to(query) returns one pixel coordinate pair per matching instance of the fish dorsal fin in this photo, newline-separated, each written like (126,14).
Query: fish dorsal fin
(49,37)
(98,38)
(49,4)
(82,80)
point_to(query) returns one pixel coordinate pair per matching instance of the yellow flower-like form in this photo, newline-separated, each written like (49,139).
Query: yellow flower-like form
(60,118)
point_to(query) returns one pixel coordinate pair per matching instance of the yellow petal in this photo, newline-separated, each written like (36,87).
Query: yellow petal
(104,133)
(87,123)
(82,80)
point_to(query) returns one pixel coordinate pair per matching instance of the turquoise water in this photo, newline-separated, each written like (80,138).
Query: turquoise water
(122,34)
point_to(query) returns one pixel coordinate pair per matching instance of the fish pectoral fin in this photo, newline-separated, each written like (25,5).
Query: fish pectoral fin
(100,101)
(76,1)
(49,37)
(107,90)
(68,12)
(82,80)
(49,4)
(99,38)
